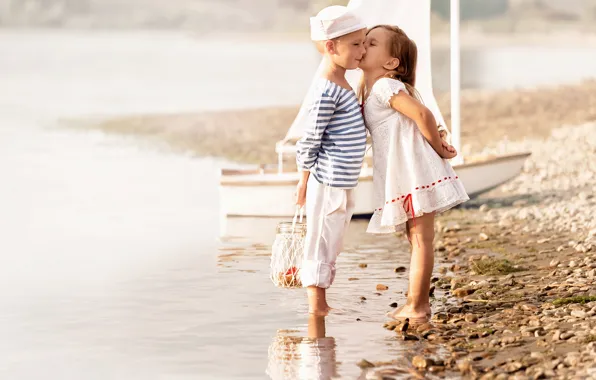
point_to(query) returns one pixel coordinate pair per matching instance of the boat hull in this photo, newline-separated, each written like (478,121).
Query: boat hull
(253,194)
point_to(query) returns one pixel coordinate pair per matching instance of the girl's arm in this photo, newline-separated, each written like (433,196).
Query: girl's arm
(425,121)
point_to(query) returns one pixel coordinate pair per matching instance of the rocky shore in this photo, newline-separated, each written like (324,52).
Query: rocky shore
(249,136)
(515,293)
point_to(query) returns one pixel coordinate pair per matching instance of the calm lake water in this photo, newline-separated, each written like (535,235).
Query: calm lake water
(111,263)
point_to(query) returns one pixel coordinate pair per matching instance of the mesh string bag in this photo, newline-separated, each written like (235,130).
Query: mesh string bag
(287,252)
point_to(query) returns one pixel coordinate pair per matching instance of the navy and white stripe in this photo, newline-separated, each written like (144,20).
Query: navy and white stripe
(334,140)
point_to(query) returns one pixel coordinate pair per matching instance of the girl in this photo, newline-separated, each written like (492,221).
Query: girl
(331,152)
(412,178)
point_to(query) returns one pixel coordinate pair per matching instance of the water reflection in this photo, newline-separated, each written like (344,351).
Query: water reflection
(312,357)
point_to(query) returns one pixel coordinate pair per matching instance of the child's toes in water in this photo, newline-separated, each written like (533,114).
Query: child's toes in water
(415,316)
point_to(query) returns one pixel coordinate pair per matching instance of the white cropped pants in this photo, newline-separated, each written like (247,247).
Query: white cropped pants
(328,214)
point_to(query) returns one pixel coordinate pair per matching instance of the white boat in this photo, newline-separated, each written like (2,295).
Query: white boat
(265,192)
(269,192)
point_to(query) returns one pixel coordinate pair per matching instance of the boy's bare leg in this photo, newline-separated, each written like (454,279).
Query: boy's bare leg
(317,301)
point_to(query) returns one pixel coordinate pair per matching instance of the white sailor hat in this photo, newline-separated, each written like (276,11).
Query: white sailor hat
(334,21)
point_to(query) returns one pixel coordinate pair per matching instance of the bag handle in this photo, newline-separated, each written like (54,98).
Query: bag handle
(299,210)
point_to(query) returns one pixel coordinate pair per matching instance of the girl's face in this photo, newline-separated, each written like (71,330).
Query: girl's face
(377,50)
(347,51)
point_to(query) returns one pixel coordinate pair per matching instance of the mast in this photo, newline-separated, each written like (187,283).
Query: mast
(455,82)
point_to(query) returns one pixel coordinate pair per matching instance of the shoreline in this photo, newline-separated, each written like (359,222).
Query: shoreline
(487,118)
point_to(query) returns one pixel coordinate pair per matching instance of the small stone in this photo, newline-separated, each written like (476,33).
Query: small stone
(362,298)
(572,359)
(542,343)
(567,335)
(557,335)
(513,367)
(436,369)
(473,336)
(483,237)
(539,374)
(484,208)
(554,263)
(363,265)
(410,337)
(425,327)
(554,364)
(585,196)
(471,318)
(391,326)
(381,287)
(520,203)
(400,269)
(452,227)
(572,264)
(579,314)
(464,366)
(353,279)
(507,340)
(462,292)
(421,362)
(364,364)
(532,308)
(389,372)
(431,291)
(394,304)
(358,319)
(537,355)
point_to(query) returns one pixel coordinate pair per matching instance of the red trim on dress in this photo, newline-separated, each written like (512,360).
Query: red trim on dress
(408,197)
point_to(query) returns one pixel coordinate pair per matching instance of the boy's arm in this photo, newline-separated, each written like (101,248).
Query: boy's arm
(309,145)
(425,121)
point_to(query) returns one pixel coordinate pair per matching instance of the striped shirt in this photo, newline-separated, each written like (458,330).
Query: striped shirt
(334,140)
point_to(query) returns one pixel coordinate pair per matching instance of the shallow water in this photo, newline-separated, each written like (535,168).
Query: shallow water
(111,262)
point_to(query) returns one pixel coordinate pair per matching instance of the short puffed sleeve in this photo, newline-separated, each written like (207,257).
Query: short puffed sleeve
(385,88)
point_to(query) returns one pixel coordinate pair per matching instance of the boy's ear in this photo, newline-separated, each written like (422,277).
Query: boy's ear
(330,47)
(391,64)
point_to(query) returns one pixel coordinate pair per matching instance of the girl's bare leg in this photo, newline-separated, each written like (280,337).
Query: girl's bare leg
(421,238)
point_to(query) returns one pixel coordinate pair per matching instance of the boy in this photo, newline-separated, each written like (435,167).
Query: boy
(330,154)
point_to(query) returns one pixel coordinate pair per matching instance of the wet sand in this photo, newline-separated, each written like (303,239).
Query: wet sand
(249,136)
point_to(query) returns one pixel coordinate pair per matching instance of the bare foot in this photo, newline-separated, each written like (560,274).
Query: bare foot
(407,311)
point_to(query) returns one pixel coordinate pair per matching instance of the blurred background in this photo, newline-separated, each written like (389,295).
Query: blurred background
(204,16)
(115,118)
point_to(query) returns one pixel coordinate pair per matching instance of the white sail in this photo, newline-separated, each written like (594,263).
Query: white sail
(413,16)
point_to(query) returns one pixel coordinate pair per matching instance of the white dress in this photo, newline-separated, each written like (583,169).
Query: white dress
(409,177)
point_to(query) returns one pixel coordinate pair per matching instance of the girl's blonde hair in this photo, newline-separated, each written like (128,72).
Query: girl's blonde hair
(404,49)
